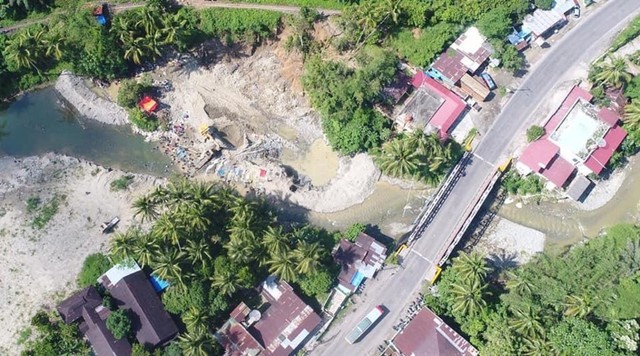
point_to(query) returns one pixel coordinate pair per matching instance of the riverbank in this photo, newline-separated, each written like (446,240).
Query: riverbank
(39,266)
(507,244)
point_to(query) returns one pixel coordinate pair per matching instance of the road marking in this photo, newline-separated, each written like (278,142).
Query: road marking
(421,256)
(483,160)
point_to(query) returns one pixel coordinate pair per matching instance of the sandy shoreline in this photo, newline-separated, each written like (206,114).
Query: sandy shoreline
(39,267)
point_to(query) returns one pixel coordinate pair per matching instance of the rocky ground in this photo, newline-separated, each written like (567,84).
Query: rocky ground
(38,267)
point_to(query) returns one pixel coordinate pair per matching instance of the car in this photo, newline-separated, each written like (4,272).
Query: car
(488,80)
(576,11)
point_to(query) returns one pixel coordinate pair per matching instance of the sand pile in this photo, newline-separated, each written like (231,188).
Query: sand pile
(38,267)
(87,103)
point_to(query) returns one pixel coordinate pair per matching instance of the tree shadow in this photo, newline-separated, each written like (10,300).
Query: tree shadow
(503,260)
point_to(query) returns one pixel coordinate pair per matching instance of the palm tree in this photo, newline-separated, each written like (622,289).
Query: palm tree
(632,115)
(467,298)
(283,265)
(198,252)
(614,72)
(167,228)
(526,322)
(146,249)
(146,207)
(134,49)
(225,282)
(196,319)
(167,265)
(241,229)
(537,346)
(398,159)
(578,306)
(196,343)
(123,245)
(308,256)
(275,240)
(160,195)
(470,267)
(519,283)
(240,251)
(22,50)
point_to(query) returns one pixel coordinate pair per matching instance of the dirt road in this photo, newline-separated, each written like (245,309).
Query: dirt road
(198,4)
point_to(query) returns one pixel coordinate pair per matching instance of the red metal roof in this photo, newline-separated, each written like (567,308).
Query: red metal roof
(427,334)
(450,65)
(599,158)
(148,104)
(568,102)
(451,108)
(559,171)
(608,116)
(539,154)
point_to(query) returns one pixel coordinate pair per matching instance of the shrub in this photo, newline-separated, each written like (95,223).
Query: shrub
(142,120)
(535,132)
(92,268)
(33,203)
(352,232)
(119,324)
(129,93)
(627,35)
(516,184)
(250,25)
(122,183)
(316,284)
(46,213)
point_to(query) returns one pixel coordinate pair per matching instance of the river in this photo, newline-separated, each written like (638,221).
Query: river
(39,122)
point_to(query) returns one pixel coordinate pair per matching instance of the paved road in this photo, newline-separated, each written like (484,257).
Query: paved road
(395,290)
(198,4)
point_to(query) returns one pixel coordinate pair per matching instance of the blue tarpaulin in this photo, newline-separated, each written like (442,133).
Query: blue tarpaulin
(357,279)
(101,20)
(158,283)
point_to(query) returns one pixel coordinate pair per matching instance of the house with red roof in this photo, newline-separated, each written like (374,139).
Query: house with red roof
(280,326)
(432,107)
(427,334)
(579,140)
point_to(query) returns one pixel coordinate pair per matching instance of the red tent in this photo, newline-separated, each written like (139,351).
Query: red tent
(148,104)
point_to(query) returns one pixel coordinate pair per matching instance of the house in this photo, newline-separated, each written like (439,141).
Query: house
(131,289)
(579,139)
(86,308)
(427,334)
(431,107)
(358,260)
(461,61)
(396,90)
(542,22)
(281,326)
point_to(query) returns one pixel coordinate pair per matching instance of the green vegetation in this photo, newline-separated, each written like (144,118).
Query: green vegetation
(544,4)
(93,267)
(514,183)
(321,4)
(418,156)
(33,203)
(46,212)
(345,98)
(352,232)
(131,91)
(122,183)
(252,26)
(627,35)
(583,302)
(119,323)
(535,132)
(54,337)
(142,120)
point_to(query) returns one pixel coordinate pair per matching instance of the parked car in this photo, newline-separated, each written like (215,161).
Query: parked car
(576,11)
(488,80)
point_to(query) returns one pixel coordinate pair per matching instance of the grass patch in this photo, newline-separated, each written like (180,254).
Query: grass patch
(627,35)
(23,336)
(33,203)
(122,183)
(234,24)
(321,4)
(46,212)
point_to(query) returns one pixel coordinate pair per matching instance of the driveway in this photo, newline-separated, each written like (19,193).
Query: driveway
(583,44)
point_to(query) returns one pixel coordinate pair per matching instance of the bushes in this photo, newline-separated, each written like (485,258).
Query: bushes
(122,183)
(317,284)
(93,267)
(131,91)
(627,35)
(250,25)
(515,184)
(420,50)
(142,120)
(535,132)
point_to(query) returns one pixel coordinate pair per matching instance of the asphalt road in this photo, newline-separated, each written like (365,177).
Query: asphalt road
(396,289)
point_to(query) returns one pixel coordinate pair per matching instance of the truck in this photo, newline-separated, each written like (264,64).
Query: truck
(365,324)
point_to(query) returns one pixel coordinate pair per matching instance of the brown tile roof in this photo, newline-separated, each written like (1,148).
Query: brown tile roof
(152,325)
(71,308)
(428,335)
(283,327)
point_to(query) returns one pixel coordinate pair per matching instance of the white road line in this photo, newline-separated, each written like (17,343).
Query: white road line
(421,256)
(483,160)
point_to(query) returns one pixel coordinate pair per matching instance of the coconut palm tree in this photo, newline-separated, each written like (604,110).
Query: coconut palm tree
(146,207)
(160,195)
(467,298)
(123,245)
(632,116)
(398,159)
(198,252)
(614,73)
(308,256)
(145,249)
(578,306)
(167,265)
(471,267)
(283,265)
(23,50)
(241,230)
(537,346)
(225,282)
(526,322)
(194,218)
(196,343)
(168,229)
(275,240)
(196,319)
(519,283)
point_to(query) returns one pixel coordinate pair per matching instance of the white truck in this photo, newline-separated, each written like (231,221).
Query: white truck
(365,324)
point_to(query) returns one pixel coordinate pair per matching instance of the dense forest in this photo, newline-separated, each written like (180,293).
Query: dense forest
(583,302)
(214,247)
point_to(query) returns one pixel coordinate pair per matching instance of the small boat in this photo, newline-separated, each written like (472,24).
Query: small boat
(109,225)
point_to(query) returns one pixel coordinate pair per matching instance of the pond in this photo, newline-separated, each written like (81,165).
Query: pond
(40,122)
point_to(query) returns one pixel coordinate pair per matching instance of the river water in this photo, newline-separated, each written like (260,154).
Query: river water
(39,122)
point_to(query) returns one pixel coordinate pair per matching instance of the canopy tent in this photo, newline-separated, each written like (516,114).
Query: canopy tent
(148,104)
